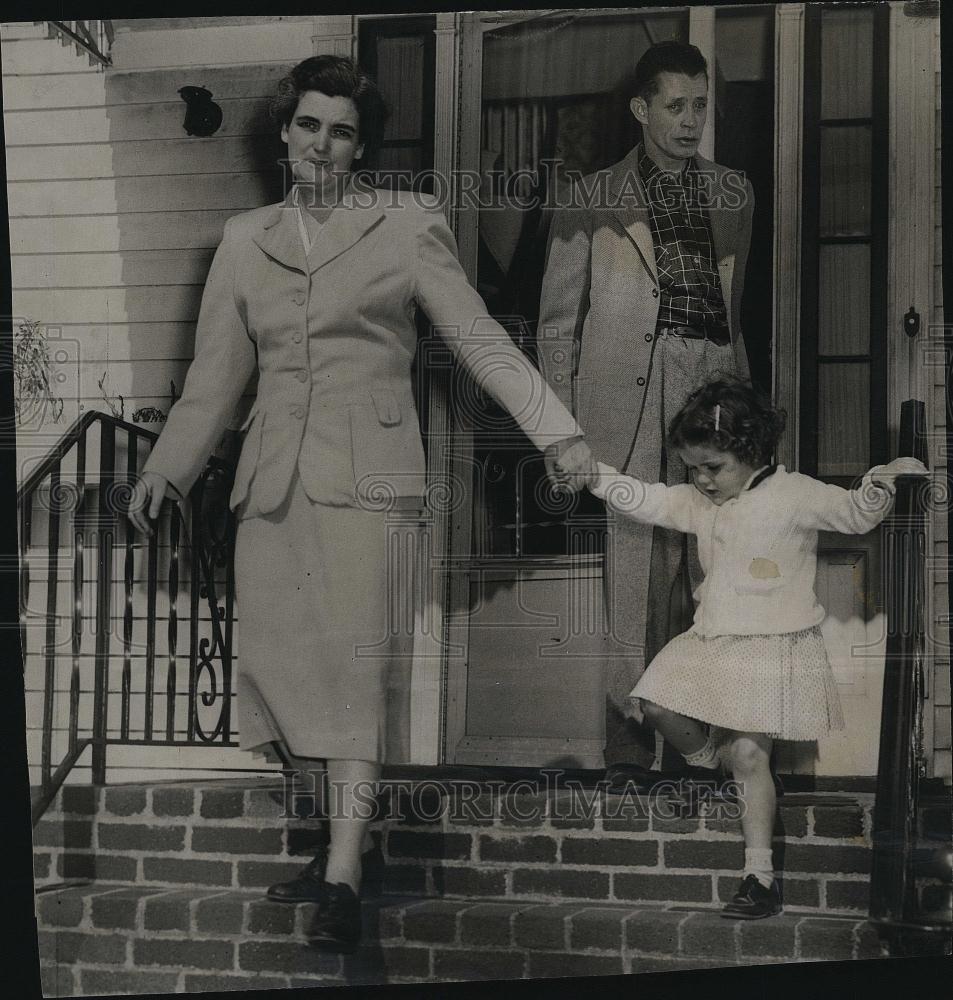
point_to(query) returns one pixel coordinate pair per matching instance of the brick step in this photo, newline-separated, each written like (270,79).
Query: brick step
(526,847)
(106,939)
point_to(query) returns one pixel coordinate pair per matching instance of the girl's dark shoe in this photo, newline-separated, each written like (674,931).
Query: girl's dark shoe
(307,886)
(336,926)
(753,901)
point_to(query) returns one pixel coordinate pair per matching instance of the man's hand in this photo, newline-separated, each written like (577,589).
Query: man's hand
(570,465)
(146,500)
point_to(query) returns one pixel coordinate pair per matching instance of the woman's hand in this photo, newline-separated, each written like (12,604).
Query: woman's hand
(146,500)
(570,464)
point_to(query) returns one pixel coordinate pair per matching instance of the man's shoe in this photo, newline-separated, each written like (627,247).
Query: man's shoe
(307,886)
(753,901)
(336,926)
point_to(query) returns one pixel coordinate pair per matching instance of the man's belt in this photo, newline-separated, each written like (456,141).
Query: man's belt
(716,334)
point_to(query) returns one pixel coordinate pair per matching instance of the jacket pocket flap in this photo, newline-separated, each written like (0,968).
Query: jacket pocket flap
(387,407)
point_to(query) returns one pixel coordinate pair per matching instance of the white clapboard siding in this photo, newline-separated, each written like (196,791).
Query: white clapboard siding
(39,162)
(285,43)
(148,378)
(168,230)
(146,157)
(236,191)
(119,88)
(12,30)
(108,270)
(149,303)
(41,56)
(54,90)
(122,123)
(136,342)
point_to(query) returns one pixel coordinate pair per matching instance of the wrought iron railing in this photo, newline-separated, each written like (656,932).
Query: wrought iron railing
(895,905)
(95,38)
(107,566)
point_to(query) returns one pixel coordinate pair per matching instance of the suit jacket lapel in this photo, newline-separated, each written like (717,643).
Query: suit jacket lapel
(631,208)
(280,239)
(344,227)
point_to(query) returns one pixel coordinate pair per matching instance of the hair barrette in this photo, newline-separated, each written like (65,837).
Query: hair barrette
(717,417)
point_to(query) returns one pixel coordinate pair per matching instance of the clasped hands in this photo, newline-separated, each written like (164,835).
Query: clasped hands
(570,465)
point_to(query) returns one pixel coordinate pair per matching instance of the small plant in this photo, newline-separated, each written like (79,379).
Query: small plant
(31,372)
(118,411)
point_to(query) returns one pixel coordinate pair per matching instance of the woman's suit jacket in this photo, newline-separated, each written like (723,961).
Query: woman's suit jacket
(333,337)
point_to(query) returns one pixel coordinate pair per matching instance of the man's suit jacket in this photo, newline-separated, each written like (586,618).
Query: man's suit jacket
(600,297)
(333,337)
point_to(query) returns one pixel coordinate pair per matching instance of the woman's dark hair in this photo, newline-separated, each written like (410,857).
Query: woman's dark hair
(335,76)
(666,57)
(748,425)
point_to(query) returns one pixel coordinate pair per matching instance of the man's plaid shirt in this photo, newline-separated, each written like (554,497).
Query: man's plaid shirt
(690,289)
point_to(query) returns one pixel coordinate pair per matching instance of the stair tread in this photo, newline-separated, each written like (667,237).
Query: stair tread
(419,908)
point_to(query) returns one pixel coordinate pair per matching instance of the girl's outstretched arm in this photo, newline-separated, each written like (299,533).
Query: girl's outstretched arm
(675,507)
(855,512)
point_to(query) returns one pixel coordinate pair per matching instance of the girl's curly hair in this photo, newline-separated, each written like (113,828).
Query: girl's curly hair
(335,76)
(748,425)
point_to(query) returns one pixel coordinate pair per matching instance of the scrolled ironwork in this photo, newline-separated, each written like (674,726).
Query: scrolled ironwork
(91,532)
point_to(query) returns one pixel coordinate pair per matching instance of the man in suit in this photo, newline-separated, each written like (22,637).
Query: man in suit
(640,304)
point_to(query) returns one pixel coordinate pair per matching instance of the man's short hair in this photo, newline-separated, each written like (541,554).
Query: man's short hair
(666,57)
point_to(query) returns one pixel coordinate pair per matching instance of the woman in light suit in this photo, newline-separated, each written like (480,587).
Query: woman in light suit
(319,294)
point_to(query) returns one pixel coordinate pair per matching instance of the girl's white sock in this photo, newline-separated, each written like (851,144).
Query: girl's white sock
(758,863)
(707,756)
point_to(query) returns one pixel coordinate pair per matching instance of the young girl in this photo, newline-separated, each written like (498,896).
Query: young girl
(753,667)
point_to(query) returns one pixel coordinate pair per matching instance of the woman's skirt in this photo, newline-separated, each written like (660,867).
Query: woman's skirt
(779,685)
(326,598)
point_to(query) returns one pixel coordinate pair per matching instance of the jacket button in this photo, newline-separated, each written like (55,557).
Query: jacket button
(301,376)
(297,411)
(640,381)
(649,337)
(297,338)
(654,293)
(299,298)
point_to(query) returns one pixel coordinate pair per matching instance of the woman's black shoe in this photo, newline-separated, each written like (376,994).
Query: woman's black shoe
(753,901)
(336,926)
(307,886)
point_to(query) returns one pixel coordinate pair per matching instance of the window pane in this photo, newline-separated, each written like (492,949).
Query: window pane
(400,77)
(843,419)
(844,300)
(847,45)
(845,181)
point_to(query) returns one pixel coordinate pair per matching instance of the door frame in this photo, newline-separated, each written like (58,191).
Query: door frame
(911,135)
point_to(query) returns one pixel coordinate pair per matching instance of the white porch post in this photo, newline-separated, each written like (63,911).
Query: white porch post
(336,35)
(427,680)
(912,361)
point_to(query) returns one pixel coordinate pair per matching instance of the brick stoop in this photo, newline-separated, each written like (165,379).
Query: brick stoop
(228,834)
(499,884)
(109,939)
